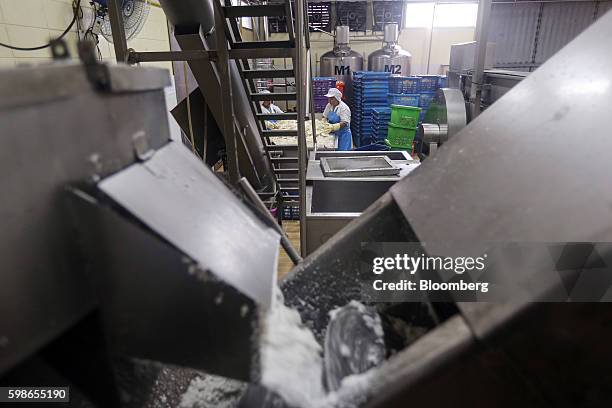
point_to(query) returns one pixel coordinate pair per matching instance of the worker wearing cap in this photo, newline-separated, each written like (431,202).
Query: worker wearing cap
(267,106)
(338,116)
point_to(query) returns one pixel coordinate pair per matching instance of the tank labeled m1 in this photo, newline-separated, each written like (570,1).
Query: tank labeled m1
(341,61)
(391,57)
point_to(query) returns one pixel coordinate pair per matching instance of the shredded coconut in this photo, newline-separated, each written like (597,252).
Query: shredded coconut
(208,391)
(292,365)
(324,140)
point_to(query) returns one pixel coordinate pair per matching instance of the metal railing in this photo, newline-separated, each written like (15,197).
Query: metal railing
(300,77)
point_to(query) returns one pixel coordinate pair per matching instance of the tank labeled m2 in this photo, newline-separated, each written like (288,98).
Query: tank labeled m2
(391,57)
(341,61)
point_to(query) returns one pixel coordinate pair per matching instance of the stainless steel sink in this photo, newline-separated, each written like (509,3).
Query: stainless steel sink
(332,202)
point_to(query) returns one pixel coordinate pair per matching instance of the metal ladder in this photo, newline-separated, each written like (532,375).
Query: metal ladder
(289,162)
(284,158)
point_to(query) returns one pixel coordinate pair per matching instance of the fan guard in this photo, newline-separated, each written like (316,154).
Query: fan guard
(134,13)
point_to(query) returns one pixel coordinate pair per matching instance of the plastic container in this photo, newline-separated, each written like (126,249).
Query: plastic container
(443,82)
(291,212)
(422,116)
(401,137)
(371,74)
(404,84)
(404,99)
(382,111)
(405,116)
(429,83)
(322,84)
(426,98)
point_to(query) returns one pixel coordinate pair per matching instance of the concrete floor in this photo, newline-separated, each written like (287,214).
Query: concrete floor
(292,228)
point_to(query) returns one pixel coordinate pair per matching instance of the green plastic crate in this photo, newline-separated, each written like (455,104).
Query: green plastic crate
(400,136)
(406,116)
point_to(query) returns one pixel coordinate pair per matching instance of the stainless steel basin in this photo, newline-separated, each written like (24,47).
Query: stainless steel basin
(332,202)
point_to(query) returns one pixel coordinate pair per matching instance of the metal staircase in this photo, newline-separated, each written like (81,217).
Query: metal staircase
(277,171)
(284,158)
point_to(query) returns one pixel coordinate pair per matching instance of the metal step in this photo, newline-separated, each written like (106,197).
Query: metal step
(287,180)
(284,159)
(269,203)
(289,189)
(266,194)
(262,45)
(286,171)
(268,10)
(268,73)
(248,53)
(276,96)
(277,116)
(281,148)
(283,132)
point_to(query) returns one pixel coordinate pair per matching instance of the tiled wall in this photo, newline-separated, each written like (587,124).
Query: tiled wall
(33,22)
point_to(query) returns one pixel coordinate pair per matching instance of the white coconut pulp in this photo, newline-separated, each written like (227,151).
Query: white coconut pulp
(292,363)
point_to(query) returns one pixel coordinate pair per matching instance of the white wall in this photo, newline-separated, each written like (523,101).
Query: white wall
(29,23)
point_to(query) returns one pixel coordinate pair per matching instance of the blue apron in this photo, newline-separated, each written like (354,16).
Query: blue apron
(344,135)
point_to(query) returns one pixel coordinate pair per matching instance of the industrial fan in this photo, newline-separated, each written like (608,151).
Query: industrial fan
(134,13)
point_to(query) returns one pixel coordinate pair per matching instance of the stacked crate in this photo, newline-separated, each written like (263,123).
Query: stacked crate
(291,212)
(404,91)
(320,86)
(370,90)
(428,87)
(402,127)
(381,117)
(404,85)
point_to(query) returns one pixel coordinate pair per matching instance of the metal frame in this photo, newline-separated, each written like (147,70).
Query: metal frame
(482,33)
(298,34)
(300,38)
(118,30)
(227,105)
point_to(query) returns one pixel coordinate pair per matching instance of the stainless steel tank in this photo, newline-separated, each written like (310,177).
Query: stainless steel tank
(391,57)
(341,61)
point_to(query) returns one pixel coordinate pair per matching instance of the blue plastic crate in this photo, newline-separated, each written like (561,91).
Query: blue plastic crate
(321,85)
(429,83)
(404,84)
(422,116)
(404,99)
(443,82)
(426,99)
(320,81)
(371,74)
(382,111)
